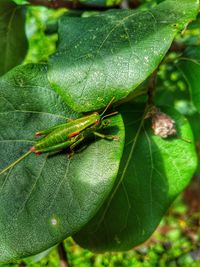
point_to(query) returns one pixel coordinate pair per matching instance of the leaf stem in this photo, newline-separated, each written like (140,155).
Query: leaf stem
(133,3)
(177,47)
(63,255)
(152,87)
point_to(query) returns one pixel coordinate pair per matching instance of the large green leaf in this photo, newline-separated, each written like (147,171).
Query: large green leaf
(152,173)
(113,52)
(190,67)
(13,42)
(44,200)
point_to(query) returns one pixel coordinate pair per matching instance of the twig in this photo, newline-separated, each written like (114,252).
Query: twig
(74,4)
(63,255)
(133,3)
(152,87)
(177,47)
(22,265)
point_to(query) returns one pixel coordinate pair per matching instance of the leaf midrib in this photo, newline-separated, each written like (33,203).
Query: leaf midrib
(125,168)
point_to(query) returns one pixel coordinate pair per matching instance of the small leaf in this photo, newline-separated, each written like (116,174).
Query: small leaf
(113,52)
(190,67)
(13,42)
(153,171)
(44,200)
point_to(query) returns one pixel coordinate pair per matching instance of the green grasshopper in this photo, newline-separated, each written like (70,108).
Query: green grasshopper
(68,135)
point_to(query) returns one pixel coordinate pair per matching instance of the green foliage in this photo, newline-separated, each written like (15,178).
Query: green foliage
(13,44)
(40,44)
(111,195)
(190,66)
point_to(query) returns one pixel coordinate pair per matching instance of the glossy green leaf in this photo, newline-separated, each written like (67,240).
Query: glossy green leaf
(190,67)
(13,42)
(113,52)
(44,200)
(152,173)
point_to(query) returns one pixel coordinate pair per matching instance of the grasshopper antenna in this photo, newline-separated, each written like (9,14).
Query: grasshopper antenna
(110,114)
(107,106)
(15,162)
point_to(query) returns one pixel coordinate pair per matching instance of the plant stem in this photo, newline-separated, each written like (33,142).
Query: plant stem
(152,87)
(177,47)
(133,3)
(63,255)
(74,4)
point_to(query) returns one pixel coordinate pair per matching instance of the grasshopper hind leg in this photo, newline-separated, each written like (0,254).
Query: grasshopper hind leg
(51,148)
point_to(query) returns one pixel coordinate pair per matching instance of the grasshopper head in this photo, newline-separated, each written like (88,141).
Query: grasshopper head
(97,118)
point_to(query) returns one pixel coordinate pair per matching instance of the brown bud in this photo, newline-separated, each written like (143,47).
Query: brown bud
(162,124)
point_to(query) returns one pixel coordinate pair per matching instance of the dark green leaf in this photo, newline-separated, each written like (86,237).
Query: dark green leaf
(13,42)
(113,52)
(152,173)
(190,67)
(44,200)
(194,122)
